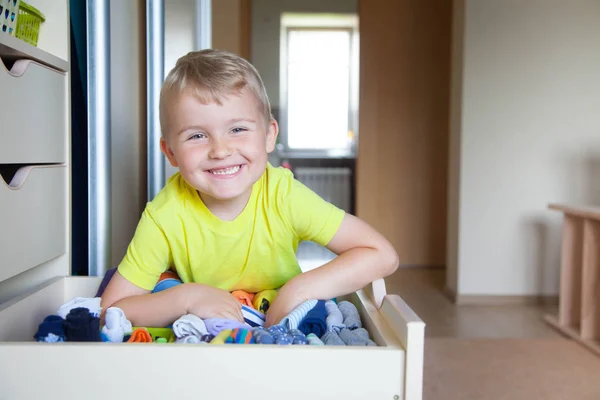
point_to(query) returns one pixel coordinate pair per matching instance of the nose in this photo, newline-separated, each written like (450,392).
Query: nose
(219,148)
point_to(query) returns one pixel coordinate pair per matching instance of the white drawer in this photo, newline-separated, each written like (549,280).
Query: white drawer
(33,104)
(316,372)
(32,218)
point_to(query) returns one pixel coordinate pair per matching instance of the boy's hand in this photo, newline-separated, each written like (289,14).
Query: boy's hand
(206,301)
(286,301)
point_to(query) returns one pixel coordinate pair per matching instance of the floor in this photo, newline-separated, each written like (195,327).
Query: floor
(503,352)
(493,352)
(423,290)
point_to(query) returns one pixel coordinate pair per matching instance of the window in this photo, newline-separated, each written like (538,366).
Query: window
(319,83)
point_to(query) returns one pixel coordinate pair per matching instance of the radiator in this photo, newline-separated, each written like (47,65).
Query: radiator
(332,184)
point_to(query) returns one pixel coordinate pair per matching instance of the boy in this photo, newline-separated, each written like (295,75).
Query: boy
(228,220)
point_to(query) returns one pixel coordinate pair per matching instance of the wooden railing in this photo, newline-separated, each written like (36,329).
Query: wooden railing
(579,295)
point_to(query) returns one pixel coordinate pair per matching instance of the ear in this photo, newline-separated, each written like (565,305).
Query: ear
(168,152)
(272,132)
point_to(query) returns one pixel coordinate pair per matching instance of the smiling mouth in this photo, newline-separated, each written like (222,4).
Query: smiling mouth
(225,171)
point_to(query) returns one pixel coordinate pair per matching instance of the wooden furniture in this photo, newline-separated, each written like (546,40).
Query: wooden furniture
(35,265)
(579,297)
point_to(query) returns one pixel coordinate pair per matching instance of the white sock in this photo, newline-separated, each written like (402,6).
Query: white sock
(189,324)
(189,340)
(116,325)
(92,304)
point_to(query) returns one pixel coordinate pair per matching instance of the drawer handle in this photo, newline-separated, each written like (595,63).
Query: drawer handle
(15,175)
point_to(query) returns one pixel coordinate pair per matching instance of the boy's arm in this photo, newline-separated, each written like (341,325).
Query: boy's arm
(364,255)
(140,307)
(143,308)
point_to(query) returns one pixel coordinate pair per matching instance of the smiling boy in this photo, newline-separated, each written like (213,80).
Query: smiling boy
(228,220)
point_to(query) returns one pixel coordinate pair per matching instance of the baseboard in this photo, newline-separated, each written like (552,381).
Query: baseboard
(495,300)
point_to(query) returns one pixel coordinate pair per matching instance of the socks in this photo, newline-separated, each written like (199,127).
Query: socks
(314,340)
(261,336)
(335,319)
(116,325)
(214,326)
(189,325)
(293,319)
(51,330)
(357,337)
(314,322)
(140,335)
(91,304)
(107,277)
(263,300)
(81,326)
(297,336)
(244,298)
(253,317)
(221,337)
(332,339)
(350,313)
(167,280)
(240,336)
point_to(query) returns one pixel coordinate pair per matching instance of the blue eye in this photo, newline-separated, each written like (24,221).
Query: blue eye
(238,130)
(197,136)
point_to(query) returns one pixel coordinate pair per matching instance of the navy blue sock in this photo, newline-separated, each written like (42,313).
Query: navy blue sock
(51,330)
(314,322)
(81,326)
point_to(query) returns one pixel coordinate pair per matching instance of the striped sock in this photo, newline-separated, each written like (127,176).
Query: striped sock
(240,336)
(314,340)
(294,318)
(253,317)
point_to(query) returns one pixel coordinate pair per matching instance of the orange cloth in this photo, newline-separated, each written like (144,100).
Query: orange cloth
(243,297)
(140,335)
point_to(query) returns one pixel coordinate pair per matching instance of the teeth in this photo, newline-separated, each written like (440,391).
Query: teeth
(226,171)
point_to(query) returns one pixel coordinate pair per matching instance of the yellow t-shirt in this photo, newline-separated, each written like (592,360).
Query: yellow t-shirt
(254,252)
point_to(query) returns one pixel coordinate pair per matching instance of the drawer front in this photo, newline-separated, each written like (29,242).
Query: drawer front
(33,104)
(32,219)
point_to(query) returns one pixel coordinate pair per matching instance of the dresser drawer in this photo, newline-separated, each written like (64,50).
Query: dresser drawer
(33,104)
(32,218)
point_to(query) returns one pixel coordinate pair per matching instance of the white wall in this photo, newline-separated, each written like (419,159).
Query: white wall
(265,28)
(180,32)
(526,131)
(128,122)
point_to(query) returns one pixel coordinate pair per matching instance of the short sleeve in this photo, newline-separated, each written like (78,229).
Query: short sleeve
(312,218)
(148,254)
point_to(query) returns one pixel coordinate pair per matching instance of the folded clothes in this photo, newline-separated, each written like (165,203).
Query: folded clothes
(332,338)
(240,336)
(140,335)
(351,316)
(82,326)
(221,337)
(253,317)
(189,325)
(314,321)
(261,336)
(116,325)
(335,319)
(263,300)
(214,326)
(244,298)
(314,340)
(167,280)
(293,319)
(51,330)
(92,304)
(356,337)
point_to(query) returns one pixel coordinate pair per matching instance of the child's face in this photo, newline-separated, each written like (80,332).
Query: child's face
(221,150)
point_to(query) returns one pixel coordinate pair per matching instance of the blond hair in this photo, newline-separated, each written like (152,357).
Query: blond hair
(212,75)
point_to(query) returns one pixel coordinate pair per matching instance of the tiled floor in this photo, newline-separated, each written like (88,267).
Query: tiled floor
(422,289)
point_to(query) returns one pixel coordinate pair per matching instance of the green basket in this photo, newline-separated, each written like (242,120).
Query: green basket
(28,23)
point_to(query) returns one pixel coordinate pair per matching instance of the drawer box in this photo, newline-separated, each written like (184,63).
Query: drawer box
(33,103)
(32,218)
(392,370)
